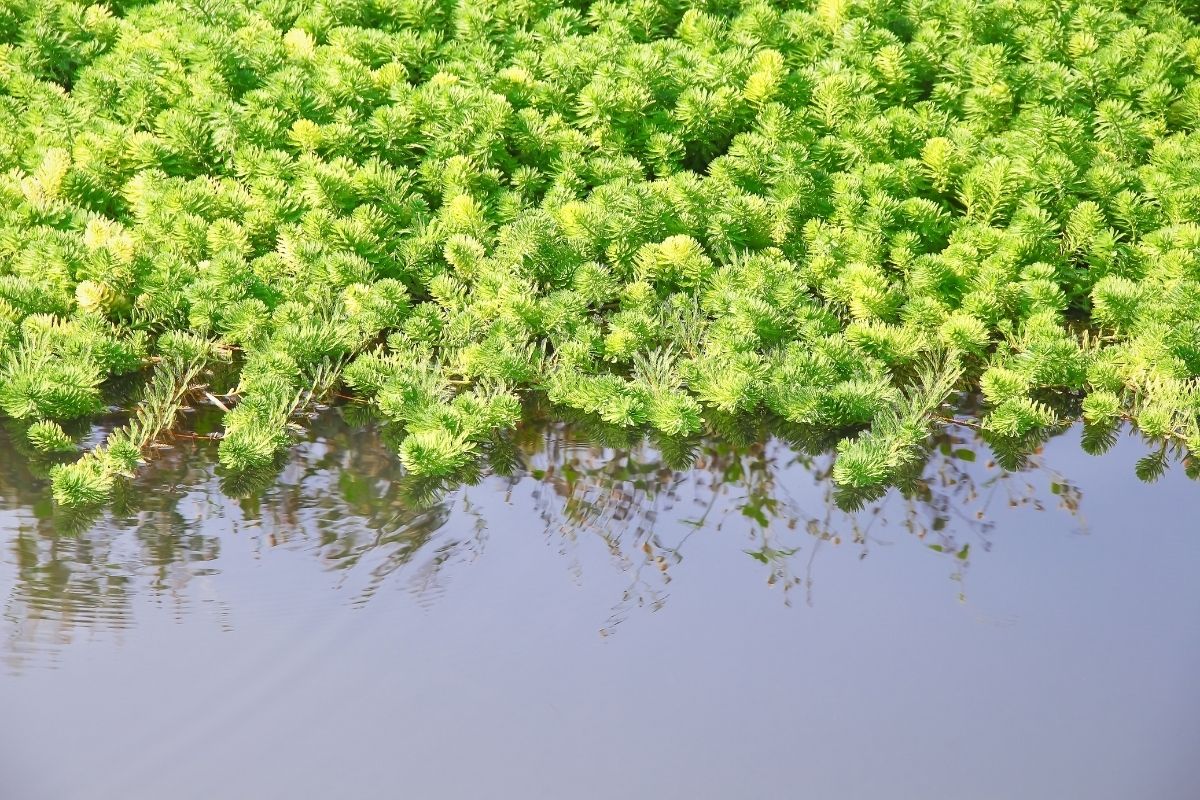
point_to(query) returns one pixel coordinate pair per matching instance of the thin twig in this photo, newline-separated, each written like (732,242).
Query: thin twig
(213,399)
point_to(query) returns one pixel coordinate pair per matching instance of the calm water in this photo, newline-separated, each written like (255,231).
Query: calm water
(604,624)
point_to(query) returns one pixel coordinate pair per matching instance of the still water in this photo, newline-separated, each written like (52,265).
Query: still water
(603,623)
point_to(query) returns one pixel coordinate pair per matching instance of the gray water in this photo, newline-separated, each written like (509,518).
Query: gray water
(603,624)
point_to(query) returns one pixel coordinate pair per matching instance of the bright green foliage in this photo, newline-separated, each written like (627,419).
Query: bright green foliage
(893,443)
(56,370)
(661,213)
(91,479)
(48,436)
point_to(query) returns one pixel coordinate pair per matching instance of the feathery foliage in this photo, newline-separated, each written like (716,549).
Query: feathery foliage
(666,214)
(91,479)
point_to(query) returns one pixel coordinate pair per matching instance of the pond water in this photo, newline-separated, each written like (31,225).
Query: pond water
(603,624)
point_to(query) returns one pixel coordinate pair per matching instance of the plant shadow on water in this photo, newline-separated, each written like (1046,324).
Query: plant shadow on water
(342,496)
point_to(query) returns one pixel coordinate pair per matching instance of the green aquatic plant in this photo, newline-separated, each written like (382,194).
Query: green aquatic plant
(91,479)
(666,214)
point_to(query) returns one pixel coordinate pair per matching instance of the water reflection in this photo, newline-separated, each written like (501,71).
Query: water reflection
(342,497)
(779,499)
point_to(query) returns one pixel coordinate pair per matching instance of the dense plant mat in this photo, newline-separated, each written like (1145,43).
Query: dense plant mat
(663,214)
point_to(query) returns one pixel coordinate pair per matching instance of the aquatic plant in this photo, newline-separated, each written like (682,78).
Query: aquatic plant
(662,213)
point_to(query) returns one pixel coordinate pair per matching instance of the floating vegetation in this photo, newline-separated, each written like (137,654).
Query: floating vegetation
(664,214)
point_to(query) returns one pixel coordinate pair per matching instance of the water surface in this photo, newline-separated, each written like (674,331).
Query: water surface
(603,622)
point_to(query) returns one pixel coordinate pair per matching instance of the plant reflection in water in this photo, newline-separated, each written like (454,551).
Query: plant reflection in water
(342,496)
